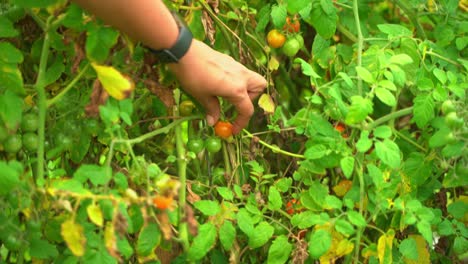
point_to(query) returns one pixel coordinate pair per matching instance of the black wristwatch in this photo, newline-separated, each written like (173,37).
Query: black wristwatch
(176,52)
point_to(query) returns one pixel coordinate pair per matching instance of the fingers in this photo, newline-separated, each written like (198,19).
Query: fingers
(255,85)
(245,110)
(211,105)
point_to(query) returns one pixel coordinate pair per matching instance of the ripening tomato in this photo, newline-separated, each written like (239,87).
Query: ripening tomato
(291,206)
(162,202)
(275,39)
(223,129)
(292,25)
(186,108)
(340,127)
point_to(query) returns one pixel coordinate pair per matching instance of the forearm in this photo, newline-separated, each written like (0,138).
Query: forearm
(148,21)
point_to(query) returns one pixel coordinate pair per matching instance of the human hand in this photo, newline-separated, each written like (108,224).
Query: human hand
(205,74)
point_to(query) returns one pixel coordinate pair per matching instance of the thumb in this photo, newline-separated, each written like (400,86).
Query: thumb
(211,105)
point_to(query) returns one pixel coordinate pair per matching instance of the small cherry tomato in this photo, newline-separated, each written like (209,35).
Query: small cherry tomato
(30,141)
(292,25)
(447,107)
(453,121)
(13,143)
(162,202)
(291,47)
(223,129)
(340,127)
(186,108)
(195,145)
(29,122)
(213,145)
(291,206)
(275,39)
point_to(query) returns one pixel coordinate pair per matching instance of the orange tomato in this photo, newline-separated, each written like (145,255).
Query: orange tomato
(291,206)
(292,25)
(223,129)
(340,127)
(162,202)
(275,39)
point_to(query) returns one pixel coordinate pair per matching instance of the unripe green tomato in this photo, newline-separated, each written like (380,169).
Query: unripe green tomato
(29,122)
(299,39)
(30,141)
(195,145)
(13,143)
(186,107)
(213,144)
(219,176)
(453,121)
(291,47)
(447,107)
(3,133)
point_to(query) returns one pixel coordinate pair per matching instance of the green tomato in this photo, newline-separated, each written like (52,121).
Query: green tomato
(186,107)
(447,107)
(13,143)
(213,144)
(30,141)
(195,145)
(3,133)
(299,39)
(29,122)
(291,47)
(218,176)
(453,121)
(12,243)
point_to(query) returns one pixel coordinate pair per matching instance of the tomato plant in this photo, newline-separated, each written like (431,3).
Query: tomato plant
(186,108)
(163,202)
(30,141)
(223,129)
(275,39)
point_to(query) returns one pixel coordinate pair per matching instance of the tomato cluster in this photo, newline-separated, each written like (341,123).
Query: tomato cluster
(197,145)
(291,44)
(451,118)
(26,138)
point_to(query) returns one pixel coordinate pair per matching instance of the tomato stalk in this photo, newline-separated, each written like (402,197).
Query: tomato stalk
(41,95)
(275,149)
(52,101)
(360,40)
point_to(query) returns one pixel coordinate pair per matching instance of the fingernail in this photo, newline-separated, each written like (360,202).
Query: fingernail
(210,120)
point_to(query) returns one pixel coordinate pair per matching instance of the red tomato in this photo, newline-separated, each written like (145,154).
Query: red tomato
(223,129)
(292,25)
(291,206)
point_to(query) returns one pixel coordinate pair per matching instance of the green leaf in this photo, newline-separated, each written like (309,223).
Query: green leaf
(54,72)
(208,207)
(316,152)
(409,249)
(294,6)
(278,15)
(445,228)
(356,219)
(308,219)
(458,209)
(7,30)
(323,18)
(34,3)
(274,199)
(417,168)
(9,105)
(424,227)
(263,18)
(389,152)
(365,75)
(347,166)
(319,243)
(332,202)
(148,239)
(440,75)
(227,234)
(387,85)
(383,132)
(226,193)
(394,30)
(99,41)
(279,251)
(347,79)
(262,233)
(9,53)
(96,174)
(245,222)
(423,111)
(11,78)
(364,143)
(401,59)
(307,69)
(385,96)
(460,245)
(42,249)
(203,242)
(124,247)
(344,227)
(359,109)
(283,184)
(9,178)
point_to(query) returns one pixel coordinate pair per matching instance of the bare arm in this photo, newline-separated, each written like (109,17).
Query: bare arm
(202,72)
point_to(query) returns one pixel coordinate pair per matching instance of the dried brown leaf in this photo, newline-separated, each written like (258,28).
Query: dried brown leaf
(163,93)
(165,225)
(191,220)
(208,25)
(192,197)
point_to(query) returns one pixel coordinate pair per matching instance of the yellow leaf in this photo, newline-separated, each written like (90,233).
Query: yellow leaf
(266,103)
(384,247)
(423,253)
(109,238)
(95,214)
(114,82)
(73,235)
(273,64)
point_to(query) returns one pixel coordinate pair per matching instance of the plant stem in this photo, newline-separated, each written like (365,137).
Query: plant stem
(391,116)
(361,209)
(275,149)
(413,17)
(360,41)
(52,101)
(41,96)
(346,32)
